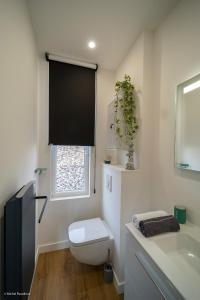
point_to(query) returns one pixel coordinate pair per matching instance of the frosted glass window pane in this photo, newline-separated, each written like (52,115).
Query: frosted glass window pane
(70,169)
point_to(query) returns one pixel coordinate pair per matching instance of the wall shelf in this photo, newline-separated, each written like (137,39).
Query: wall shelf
(119,168)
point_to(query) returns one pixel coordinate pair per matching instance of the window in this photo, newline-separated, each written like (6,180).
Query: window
(70,171)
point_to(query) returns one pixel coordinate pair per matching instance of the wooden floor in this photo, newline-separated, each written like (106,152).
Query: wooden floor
(60,277)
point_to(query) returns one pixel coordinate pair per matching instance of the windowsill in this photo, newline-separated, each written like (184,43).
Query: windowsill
(69,198)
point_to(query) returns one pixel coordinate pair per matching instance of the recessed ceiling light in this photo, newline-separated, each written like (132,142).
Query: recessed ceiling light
(91,45)
(191,254)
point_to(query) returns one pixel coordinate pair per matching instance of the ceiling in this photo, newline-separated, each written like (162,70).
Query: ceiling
(66,26)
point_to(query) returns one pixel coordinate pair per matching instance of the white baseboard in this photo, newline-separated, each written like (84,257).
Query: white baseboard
(53,246)
(119,285)
(36,256)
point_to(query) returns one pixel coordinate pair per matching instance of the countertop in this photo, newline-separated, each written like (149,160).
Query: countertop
(187,283)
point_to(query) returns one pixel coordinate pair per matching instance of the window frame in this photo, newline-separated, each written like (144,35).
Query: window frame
(70,195)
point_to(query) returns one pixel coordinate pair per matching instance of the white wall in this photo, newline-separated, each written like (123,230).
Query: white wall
(18,73)
(157,63)
(173,55)
(60,214)
(131,191)
(119,204)
(177,48)
(138,64)
(111,210)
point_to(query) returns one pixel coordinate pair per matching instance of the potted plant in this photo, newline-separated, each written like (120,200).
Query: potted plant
(126,123)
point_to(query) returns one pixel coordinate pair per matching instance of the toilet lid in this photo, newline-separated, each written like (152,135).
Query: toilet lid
(87,232)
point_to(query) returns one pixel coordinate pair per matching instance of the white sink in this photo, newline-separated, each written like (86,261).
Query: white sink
(182,249)
(177,255)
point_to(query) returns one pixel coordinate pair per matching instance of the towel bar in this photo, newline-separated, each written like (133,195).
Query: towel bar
(43,208)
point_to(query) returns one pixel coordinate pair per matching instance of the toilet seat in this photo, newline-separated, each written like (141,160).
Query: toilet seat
(87,232)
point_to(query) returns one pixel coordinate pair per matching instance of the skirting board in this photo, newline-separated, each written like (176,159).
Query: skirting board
(118,285)
(53,246)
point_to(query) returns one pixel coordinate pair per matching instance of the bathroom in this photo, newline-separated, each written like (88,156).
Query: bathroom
(154,42)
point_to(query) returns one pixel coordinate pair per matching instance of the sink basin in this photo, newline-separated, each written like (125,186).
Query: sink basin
(177,254)
(182,249)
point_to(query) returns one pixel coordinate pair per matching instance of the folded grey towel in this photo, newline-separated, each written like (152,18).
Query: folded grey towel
(136,218)
(159,225)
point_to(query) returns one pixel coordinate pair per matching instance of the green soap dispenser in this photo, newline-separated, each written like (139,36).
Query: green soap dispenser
(180,214)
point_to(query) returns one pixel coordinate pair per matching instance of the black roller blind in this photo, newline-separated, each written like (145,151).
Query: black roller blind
(71,104)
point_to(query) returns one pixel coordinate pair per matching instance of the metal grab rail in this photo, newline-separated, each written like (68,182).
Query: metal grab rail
(43,208)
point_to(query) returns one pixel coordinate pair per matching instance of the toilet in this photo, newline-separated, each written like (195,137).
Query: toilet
(90,241)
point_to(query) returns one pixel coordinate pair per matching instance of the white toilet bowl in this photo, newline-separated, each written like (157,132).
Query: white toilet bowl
(90,241)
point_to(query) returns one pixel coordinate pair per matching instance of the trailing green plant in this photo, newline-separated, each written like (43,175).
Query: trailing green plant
(126,123)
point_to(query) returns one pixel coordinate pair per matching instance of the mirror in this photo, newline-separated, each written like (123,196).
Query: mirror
(187,143)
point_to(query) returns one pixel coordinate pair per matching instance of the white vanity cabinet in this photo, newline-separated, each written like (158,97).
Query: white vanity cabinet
(143,279)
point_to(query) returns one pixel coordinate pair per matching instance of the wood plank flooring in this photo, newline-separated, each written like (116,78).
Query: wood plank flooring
(59,276)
